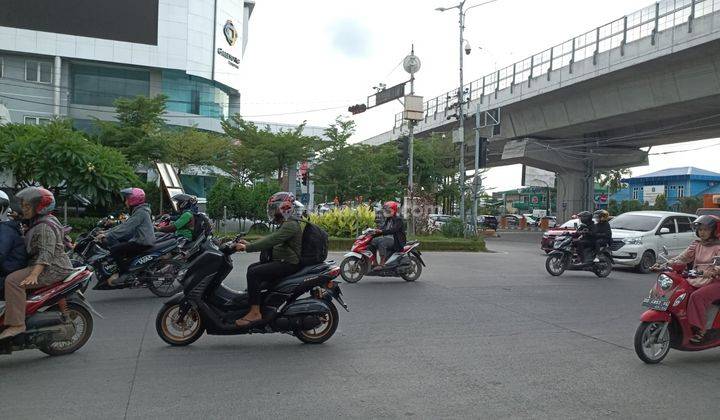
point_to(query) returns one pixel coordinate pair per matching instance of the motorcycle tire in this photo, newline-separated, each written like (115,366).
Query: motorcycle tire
(164,322)
(314,337)
(605,263)
(556,264)
(76,313)
(160,289)
(357,273)
(644,330)
(417,270)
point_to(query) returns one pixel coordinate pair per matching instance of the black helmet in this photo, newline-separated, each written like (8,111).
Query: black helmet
(185,201)
(585,217)
(708,221)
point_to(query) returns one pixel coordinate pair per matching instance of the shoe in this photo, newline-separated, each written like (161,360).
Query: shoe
(112,279)
(596,260)
(12,332)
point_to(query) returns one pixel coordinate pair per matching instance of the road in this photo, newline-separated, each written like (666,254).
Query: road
(487,335)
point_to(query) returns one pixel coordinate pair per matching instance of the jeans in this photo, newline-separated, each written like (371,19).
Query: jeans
(384,244)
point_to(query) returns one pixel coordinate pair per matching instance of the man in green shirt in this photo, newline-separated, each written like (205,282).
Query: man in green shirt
(183,226)
(285,245)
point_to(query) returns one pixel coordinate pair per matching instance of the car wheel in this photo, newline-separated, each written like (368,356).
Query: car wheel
(648,260)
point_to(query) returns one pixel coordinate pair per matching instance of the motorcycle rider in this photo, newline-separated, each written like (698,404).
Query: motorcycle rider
(587,240)
(602,233)
(392,233)
(13,255)
(133,237)
(183,225)
(284,245)
(45,247)
(701,254)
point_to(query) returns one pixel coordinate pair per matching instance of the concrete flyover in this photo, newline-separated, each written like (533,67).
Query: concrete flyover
(592,103)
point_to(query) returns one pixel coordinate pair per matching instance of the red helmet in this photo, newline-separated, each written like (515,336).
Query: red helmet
(41,200)
(392,208)
(133,196)
(283,203)
(709,221)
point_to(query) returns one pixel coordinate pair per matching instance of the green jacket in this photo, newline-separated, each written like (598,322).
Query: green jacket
(183,226)
(286,243)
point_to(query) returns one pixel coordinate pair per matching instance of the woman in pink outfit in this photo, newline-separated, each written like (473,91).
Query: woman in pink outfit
(701,254)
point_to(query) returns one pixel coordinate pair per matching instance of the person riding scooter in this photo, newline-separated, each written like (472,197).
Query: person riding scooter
(701,254)
(392,233)
(133,237)
(284,246)
(587,241)
(13,255)
(602,233)
(183,225)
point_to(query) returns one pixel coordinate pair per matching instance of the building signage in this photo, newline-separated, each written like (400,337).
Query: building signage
(650,193)
(228,42)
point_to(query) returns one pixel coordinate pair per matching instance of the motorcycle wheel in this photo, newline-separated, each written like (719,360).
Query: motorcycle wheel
(83,323)
(649,347)
(604,267)
(175,333)
(416,270)
(162,287)
(324,331)
(352,269)
(556,264)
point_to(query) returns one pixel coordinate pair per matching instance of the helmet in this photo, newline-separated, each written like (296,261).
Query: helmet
(185,201)
(390,209)
(41,200)
(602,215)
(4,206)
(283,203)
(134,196)
(585,217)
(708,221)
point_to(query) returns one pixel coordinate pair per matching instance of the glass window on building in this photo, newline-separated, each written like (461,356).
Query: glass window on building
(101,86)
(680,191)
(636,193)
(36,120)
(197,185)
(38,71)
(193,95)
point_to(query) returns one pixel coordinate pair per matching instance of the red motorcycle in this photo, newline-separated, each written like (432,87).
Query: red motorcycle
(361,261)
(665,324)
(58,317)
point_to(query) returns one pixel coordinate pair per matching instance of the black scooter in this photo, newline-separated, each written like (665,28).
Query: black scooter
(300,305)
(564,256)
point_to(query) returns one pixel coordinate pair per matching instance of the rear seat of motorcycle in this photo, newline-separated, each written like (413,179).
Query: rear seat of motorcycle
(297,277)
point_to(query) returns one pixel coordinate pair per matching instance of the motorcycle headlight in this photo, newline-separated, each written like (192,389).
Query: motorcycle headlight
(633,241)
(665,282)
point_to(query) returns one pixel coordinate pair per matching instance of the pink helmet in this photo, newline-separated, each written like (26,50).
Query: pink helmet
(134,196)
(41,200)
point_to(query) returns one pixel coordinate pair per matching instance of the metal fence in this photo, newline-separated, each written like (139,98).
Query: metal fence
(645,23)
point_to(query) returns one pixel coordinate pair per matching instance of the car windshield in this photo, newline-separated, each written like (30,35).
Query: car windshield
(636,222)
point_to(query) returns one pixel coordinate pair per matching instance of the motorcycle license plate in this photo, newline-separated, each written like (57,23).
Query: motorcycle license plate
(658,304)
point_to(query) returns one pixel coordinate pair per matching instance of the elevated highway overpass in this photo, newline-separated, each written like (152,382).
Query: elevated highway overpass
(591,103)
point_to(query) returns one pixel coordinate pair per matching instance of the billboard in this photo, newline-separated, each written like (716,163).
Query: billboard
(127,20)
(650,193)
(534,177)
(229,15)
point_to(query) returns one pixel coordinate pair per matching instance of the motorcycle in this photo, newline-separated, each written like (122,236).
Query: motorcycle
(564,256)
(206,305)
(361,261)
(664,325)
(58,317)
(158,269)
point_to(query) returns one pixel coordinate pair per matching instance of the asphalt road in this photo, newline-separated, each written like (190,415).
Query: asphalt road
(486,335)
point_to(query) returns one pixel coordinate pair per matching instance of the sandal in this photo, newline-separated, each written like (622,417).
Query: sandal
(698,338)
(246,323)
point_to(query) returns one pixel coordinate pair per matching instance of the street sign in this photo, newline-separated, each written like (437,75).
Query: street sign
(389,94)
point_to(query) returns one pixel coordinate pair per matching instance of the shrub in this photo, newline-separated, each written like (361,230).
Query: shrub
(345,223)
(81,224)
(453,228)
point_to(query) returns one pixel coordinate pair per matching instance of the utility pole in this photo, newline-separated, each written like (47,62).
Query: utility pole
(411,129)
(461,119)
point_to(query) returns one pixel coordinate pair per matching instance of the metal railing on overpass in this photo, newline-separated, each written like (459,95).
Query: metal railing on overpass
(645,23)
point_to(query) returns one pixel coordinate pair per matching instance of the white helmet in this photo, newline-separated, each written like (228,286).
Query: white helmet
(4,206)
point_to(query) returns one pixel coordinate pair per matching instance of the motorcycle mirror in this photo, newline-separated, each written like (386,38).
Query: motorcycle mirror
(665,251)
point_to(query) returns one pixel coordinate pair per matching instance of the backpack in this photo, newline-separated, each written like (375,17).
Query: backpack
(314,248)
(201,224)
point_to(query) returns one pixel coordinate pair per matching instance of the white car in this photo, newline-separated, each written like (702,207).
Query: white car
(645,233)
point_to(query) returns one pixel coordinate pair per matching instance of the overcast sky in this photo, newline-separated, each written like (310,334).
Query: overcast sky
(310,60)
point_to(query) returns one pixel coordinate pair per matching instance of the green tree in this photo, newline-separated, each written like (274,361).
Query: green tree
(190,146)
(612,179)
(138,131)
(64,161)
(660,202)
(690,204)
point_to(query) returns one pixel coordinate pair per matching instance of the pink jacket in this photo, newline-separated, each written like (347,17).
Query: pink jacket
(701,255)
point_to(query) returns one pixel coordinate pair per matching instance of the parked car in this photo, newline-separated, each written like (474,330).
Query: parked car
(552,221)
(513,219)
(487,221)
(645,233)
(436,221)
(531,220)
(713,211)
(548,238)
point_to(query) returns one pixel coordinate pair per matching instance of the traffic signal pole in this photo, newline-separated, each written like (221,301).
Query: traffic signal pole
(411,189)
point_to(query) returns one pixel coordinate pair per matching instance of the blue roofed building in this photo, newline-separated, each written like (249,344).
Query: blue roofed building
(674,183)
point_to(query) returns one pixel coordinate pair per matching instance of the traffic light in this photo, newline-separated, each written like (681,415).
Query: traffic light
(305,178)
(403,146)
(357,109)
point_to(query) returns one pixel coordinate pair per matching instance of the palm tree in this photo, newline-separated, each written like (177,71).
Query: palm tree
(612,179)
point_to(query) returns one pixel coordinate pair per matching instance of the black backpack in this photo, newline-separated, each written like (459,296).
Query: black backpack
(201,224)
(314,245)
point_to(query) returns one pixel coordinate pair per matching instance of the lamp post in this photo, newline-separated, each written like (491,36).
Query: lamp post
(461,114)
